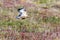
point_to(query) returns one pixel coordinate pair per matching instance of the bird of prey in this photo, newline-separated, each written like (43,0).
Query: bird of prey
(22,13)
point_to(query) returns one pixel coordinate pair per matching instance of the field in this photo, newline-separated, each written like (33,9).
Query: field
(43,22)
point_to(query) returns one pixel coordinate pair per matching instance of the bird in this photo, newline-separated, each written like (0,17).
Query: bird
(22,13)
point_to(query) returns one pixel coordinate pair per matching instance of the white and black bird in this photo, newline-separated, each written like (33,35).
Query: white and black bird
(22,13)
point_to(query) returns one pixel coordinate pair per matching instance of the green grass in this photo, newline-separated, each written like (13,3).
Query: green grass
(52,19)
(31,24)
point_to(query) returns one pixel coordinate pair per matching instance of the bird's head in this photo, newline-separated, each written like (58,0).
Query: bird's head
(21,9)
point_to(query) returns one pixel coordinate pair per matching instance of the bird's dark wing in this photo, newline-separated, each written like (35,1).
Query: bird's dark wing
(20,14)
